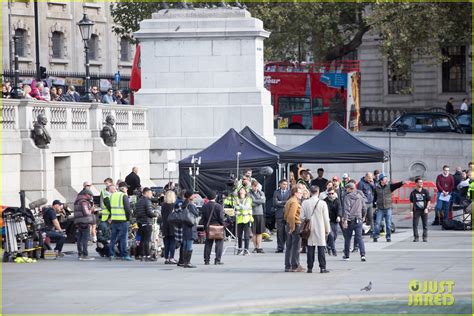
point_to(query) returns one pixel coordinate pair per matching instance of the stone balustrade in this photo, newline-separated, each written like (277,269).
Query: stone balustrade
(385,116)
(21,114)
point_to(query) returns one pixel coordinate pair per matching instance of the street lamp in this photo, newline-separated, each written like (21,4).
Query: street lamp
(194,170)
(85,26)
(16,90)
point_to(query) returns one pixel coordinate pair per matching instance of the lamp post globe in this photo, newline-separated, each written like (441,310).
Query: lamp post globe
(85,26)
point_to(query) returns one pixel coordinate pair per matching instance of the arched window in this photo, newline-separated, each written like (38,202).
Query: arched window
(124,49)
(94,47)
(21,42)
(58,44)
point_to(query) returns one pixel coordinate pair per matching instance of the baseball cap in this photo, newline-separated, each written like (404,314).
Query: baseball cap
(87,191)
(345,176)
(350,185)
(381,176)
(335,178)
(57,202)
(123,185)
(87,184)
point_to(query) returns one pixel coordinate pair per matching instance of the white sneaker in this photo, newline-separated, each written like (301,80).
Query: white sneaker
(363,259)
(86,258)
(94,239)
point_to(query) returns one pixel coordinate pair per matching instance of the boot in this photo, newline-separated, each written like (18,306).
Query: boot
(181,260)
(187,263)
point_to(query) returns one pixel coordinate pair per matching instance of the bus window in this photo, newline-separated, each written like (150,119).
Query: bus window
(318,106)
(297,110)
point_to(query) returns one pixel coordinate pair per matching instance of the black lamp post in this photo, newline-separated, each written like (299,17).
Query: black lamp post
(16,89)
(85,26)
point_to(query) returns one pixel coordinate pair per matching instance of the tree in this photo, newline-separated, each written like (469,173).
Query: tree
(330,30)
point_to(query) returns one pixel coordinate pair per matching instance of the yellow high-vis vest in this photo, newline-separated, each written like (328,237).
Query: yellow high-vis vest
(116,207)
(105,212)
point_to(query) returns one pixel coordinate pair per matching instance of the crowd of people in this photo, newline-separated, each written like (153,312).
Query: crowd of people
(308,215)
(38,90)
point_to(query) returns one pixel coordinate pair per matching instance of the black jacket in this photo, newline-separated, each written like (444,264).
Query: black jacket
(217,216)
(144,211)
(457,179)
(133,181)
(190,232)
(166,228)
(334,208)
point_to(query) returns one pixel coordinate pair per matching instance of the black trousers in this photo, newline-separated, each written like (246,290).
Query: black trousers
(321,256)
(145,237)
(208,249)
(243,230)
(424,221)
(281,234)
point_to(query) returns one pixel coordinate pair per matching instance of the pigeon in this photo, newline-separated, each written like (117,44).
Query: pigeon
(239,5)
(367,288)
(176,30)
(167,10)
(205,5)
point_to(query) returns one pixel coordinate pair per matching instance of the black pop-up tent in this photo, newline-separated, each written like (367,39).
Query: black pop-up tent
(334,145)
(258,140)
(219,161)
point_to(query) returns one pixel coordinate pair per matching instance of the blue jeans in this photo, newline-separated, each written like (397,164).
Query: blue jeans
(188,245)
(387,214)
(170,247)
(120,233)
(353,226)
(58,238)
(442,205)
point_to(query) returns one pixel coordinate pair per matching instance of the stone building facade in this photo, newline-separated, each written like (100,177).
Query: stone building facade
(61,46)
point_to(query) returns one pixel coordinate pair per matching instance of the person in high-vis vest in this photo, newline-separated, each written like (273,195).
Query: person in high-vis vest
(243,208)
(120,216)
(105,193)
(470,191)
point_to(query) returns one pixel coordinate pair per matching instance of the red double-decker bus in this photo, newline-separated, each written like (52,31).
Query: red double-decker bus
(309,96)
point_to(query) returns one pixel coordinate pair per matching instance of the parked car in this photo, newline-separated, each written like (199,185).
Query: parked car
(465,121)
(424,122)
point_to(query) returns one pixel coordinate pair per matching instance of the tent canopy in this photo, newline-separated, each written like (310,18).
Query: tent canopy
(219,160)
(258,140)
(334,145)
(223,153)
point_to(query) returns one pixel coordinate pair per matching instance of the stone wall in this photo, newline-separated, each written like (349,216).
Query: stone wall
(76,153)
(411,153)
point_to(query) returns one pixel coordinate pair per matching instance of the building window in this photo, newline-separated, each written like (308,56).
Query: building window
(454,69)
(124,49)
(58,44)
(21,42)
(94,47)
(398,84)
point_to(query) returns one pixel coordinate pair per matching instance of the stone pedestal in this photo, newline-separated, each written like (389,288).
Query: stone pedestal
(37,172)
(202,73)
(105,162)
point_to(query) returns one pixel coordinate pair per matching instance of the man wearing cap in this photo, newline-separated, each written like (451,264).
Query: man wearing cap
(353,210)
(383,201)
(53,229)
(120,216)
(83,219)
(345,179)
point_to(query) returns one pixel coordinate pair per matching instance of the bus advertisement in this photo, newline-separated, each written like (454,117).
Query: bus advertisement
(311,96)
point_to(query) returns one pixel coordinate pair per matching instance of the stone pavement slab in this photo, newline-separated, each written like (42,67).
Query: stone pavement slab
(251,284)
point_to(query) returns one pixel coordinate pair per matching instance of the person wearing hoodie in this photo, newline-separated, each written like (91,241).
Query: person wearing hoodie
(354,208)
(83,219)
(383,201)
(366,185)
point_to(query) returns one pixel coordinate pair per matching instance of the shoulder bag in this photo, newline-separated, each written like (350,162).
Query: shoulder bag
(306,226)
(214,232)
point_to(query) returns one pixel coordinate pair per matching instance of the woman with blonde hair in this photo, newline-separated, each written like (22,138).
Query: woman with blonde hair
(166,228)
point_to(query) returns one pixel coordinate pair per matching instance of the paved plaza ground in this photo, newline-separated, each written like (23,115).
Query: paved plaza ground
(252,284)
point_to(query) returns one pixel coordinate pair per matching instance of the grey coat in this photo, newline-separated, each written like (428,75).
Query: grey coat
(258,201)
(320,226)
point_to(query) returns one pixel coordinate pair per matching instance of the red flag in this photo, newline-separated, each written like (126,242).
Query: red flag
(136,76)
